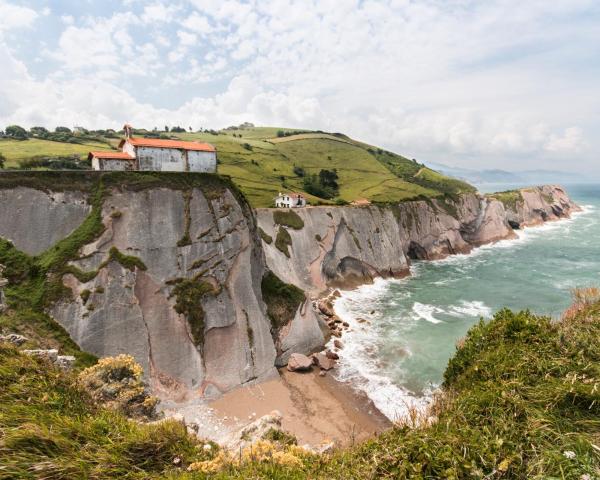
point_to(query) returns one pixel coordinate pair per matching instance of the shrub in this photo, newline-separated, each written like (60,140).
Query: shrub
(288,218)
(299,172)
(17,132)
(117,383)
(283,241)
(282,299)
(189,293)
(265,237)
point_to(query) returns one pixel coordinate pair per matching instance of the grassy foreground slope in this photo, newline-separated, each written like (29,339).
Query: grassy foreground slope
(521,400)
(262,164)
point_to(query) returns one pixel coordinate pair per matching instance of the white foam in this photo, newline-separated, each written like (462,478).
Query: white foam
(471,309)
(359,359)
(360,363)
(426,312)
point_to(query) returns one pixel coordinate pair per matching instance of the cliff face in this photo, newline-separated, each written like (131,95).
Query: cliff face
(160,247)
(347,246)
(174,275)
(537,205)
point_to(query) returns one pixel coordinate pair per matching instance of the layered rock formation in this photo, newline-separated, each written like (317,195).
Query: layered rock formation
(347,246)
(124,298)
(174,277)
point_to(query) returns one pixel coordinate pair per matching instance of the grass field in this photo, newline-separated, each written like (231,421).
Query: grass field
(262,164)
(15,150)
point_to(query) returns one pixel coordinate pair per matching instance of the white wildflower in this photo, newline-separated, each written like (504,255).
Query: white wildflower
(569,454)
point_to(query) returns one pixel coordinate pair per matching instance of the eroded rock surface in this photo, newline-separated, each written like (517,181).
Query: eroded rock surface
(348,246)
(54,215)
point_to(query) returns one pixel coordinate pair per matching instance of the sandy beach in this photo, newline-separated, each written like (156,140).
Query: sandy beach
(315,409)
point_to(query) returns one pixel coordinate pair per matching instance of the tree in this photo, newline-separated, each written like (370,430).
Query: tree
(299,171)
(323,185)
(2,161)
(39,131)
(166,128)
(62,130)
(16,132)
(328,178)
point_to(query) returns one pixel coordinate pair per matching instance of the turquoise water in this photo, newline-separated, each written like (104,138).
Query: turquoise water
(399,355)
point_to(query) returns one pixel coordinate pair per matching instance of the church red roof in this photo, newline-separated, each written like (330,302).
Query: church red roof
(160,143)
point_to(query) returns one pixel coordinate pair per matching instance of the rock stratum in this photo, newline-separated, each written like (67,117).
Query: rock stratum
(173,276)
(349,246)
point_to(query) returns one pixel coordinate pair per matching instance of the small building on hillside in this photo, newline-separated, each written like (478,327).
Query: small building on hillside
(290,200)
(154,154)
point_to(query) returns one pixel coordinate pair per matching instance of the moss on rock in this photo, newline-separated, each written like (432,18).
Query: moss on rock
(282,299)
(283,241)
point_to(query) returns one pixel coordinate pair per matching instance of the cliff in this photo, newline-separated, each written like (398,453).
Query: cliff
(172,268)
(173,276)
(347,246)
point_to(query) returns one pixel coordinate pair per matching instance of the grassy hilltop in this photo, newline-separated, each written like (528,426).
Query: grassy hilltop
(263,161)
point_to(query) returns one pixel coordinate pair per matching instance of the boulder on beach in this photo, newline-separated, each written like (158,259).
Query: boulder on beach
(332,355)
(322,361)
(299,363)
(326,308)
(338,344)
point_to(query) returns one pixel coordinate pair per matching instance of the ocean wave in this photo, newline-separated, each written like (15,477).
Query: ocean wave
(471,309)
(426,312)
(387,306)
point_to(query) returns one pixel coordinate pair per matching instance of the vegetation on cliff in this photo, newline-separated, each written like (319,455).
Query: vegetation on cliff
(282,299)
(521,400)
(511,198)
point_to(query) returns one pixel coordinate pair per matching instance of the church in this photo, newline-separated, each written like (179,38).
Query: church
(154,154)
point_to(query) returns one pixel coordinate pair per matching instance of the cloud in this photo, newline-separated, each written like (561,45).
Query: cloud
(460,79)
(15,16)
(571,141)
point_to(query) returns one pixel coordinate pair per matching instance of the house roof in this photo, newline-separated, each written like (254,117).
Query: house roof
(159,143)
(111,155)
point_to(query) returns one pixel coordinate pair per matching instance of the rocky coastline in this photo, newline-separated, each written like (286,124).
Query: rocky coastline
(159,245)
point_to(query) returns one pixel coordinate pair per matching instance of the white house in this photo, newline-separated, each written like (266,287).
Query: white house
(290,200)
(157,155)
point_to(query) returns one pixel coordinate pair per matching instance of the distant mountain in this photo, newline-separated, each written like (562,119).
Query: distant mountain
(503,176)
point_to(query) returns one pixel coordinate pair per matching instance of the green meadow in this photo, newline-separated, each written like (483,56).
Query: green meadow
(263,161)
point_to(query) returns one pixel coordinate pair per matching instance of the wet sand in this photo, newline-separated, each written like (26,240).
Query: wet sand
(315,409)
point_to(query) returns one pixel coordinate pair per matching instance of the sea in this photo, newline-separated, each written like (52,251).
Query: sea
(403,332)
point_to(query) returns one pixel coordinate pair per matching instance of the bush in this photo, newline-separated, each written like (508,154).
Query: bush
(299,172)
(17,132)
(288,218)
(282,299)
(324,185)
(265,236)
(189,293)
(117,383)
(283,241)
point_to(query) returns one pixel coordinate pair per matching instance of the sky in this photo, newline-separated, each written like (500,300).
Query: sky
(508,84)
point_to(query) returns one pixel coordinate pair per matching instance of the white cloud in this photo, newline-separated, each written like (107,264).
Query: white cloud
(15,16)
(159,13)
(571,141)
(186,38)
(197,23)
(460,79)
